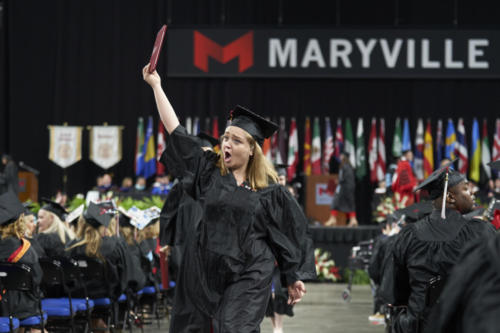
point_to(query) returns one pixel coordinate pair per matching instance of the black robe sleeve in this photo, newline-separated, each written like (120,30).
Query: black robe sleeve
(51,244)
(288,235)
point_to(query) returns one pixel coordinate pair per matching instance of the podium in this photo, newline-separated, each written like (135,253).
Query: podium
(28,186)
(319,189)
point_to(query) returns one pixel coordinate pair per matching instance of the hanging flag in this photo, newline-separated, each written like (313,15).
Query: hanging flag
(316,149)
(307,148)
(451,140)
(406,136)
(160,147)
(293,151)
(65,145)
(475,153)
(360,150)
(139,143)
(327,146)
(439,143)
(148,151)
(266,149)
(485,153)
(418,161)
(274,147)
(196,126)
(372,151)
(495,156)
(461,148)
(339,140)
(215,132)
(189,125)
(349,143)
(428,151)
(397,144)
(105,145)
(381,161)
(282,155)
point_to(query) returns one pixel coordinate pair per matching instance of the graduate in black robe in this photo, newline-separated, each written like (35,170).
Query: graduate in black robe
(136,276)
(243,224)
(430,248)
(470,302)
(17,249)
(93,241)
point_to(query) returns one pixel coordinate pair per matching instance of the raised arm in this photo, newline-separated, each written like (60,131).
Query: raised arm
(165,109)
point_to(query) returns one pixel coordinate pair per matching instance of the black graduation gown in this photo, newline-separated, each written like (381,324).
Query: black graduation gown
(470,301)
(22,304)
(51,244)
(150,262)
(229,259)
(136,279)
(116,259)
(343,200)
(424,250)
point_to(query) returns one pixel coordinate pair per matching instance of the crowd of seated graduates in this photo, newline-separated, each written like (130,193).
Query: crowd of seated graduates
(129,258)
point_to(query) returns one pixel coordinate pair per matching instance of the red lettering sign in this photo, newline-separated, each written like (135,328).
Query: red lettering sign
(242,47)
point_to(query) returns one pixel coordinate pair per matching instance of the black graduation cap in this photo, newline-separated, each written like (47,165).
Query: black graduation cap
(55,208)
(258,127)
(206,140)
(99,214)
(10,208)
(75,214)
(415,212)
(439,181)
(124,220)
(495,164)
(281,169)
(28,205)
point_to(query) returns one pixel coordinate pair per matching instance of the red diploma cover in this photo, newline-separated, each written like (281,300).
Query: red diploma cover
(157,48)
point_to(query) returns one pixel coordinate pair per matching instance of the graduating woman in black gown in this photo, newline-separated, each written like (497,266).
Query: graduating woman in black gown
(242,222)
(17,249)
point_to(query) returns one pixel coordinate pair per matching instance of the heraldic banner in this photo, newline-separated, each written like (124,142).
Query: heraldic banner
(65,145)
(105,145)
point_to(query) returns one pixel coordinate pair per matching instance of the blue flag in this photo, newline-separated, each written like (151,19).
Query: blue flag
(149,151)
(451,140)
(406,136)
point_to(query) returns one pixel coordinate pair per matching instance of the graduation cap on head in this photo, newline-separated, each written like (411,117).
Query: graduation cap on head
(143,218)
(439,181)
(54,207)
(281,169)
(75,214)
(258,127)
(206,140)
(99,214)
(28,205)
(495,164)
(10,208)
(415,212)
(124,218)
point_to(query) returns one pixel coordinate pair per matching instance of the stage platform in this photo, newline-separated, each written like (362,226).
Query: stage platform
(339,240)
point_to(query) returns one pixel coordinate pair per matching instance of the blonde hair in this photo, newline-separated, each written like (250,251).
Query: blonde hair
(112,226)
(15,229)
(260,172)
(59,227)
(128,234)
(151,231)
(90,237)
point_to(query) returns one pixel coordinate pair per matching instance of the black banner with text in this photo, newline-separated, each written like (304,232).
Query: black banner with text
(329,53)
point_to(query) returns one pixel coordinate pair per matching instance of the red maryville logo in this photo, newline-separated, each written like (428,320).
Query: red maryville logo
(242,47)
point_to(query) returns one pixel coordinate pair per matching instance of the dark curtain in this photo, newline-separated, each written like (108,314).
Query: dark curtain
(80,62)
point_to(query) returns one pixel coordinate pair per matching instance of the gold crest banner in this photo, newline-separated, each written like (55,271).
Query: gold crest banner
(65,145)
(105,145)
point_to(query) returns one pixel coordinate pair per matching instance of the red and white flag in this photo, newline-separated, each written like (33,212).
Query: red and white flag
(381,152)
(461,148)
(160,147)
(496,142)
(372,151)
(293,151)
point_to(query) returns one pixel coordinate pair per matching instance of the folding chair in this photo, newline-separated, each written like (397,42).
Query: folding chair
(19,277)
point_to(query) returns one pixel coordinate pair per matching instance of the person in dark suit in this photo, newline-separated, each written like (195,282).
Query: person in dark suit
(8,179)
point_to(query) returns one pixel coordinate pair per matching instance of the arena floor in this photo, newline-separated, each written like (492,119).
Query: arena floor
(323,310)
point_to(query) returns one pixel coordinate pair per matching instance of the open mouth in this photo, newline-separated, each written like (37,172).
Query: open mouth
(227,156)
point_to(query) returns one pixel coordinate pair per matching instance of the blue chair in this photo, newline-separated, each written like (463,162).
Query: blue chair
(8,324)
(19,277)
